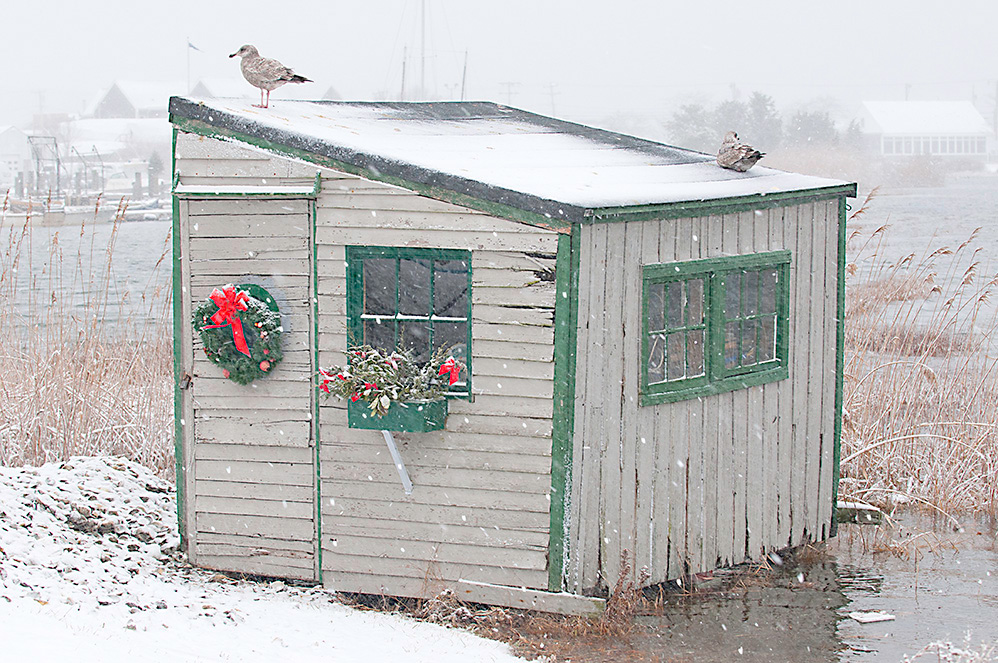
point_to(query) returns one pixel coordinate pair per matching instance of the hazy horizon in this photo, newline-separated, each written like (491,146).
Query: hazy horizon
(578,60)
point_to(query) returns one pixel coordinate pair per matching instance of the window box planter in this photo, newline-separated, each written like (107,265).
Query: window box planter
(410,417)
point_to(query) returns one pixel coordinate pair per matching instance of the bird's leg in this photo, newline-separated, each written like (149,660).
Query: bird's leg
(267,105)
(259,105)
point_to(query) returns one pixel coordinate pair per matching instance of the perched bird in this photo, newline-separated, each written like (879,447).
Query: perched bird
(265,73)
(736,155)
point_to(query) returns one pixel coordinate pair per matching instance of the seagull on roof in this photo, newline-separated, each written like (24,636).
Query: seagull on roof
(265,73)
(736,155)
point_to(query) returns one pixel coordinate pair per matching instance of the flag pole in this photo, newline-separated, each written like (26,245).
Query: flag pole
(188,49)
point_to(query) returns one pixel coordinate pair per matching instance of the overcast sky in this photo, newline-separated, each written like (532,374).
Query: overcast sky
(583,60)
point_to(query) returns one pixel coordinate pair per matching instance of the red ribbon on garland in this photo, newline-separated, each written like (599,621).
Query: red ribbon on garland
(229,302)
(453,367)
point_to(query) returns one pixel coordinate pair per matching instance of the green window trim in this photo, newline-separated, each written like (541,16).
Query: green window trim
(711,299)
(356,315)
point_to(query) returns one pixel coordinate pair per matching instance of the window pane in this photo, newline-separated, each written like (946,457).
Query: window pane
(454,337)
(379,286)
(767,339)
(656,307)
(750,294)
(656,358)
(415,336)
(677,356)
(450,288)
(749,355)
(694,353)
(414,287)
(380,334)
(674,304)
(695,302)
(732,295)
(731,337)
(767,302)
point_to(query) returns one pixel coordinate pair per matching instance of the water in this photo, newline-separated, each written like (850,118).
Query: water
(66,264)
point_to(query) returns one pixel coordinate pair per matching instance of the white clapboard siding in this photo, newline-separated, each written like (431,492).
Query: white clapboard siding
(251,467)
(686,486)
(480,506)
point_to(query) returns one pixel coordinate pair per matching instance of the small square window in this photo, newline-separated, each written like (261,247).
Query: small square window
(714,325)
(418,299)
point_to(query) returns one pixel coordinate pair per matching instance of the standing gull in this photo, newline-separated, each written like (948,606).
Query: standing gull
(265,73)
(736,155)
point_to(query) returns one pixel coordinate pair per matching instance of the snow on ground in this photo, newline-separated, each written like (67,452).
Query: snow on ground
(89,572)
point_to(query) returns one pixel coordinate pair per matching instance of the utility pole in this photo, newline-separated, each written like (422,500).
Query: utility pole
(464,74)
(422,63)
(404,57)
(509,85)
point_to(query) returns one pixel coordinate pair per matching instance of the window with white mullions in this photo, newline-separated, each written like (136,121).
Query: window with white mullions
(417,299)
(714,325)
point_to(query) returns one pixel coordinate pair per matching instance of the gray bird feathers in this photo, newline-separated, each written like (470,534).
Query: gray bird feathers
(736,155)
(265,73)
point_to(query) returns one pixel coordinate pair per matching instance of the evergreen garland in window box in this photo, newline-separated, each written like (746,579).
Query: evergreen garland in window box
(240,327)
(391,391)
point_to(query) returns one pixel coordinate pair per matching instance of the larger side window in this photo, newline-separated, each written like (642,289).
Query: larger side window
(714,325)
(418,299)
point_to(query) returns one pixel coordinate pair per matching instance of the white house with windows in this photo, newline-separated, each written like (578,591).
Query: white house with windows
(652,346)
(15,156)
(948,129)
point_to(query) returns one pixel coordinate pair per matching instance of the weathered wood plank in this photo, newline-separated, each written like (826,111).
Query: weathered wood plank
(513,314)
(437,238)
(493,479)
(592,434)
(398,511)
(799,372)
(512,334)
(334,525)
(381,566)
(336,433)
(518,260)
(267,526)
(255,491)
(383,200)
(280,567)
(279,509)
(628,330)
(713,461)
(241,541)
(532,370)
(786,235)
(826,499)
(246,227)
(228,209)
(220,435)
(289,474)
(290,271)
(510,406)
(473,498)
(286,385)
(456,220)
(415,455)
(525,599)
(253,452)
(224,248)
(407,549)
(274,554)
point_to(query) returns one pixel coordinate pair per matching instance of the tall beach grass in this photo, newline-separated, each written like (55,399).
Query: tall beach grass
(85,364)
(920,421)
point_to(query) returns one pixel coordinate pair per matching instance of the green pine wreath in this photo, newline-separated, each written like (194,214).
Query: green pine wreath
(261,325)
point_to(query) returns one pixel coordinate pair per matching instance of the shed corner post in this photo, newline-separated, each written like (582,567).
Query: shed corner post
(839,362)
(566,310)
(178,410)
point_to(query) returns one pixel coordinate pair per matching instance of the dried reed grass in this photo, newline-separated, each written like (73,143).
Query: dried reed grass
(921,389)
(73,382)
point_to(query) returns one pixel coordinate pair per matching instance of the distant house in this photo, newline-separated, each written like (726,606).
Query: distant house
(947,129)
(132,99)
(15,156)
(236,88)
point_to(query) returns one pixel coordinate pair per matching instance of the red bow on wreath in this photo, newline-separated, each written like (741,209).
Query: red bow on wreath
(452,366)
(229,302)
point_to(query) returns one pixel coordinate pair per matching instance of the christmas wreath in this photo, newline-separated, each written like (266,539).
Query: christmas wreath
(240,327)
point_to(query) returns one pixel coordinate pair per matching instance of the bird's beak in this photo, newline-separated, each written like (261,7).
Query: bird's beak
(234,54)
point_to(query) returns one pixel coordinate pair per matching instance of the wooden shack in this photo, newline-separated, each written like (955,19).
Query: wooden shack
(653,343)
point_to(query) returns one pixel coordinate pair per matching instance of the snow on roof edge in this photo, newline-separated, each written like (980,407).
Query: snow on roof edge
(721,188)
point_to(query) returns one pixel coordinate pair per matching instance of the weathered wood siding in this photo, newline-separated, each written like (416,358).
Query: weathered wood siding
(689,486)
(249,452)
(480,507)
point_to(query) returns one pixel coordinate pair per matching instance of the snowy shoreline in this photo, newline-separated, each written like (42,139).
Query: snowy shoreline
(89,572)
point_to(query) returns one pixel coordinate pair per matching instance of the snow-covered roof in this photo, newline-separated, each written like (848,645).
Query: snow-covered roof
(924,118)
(235,87)
(489,152)
(144,96)
(108,135)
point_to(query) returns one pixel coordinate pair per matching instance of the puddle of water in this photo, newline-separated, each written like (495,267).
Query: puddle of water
(944,583)
(939,583)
